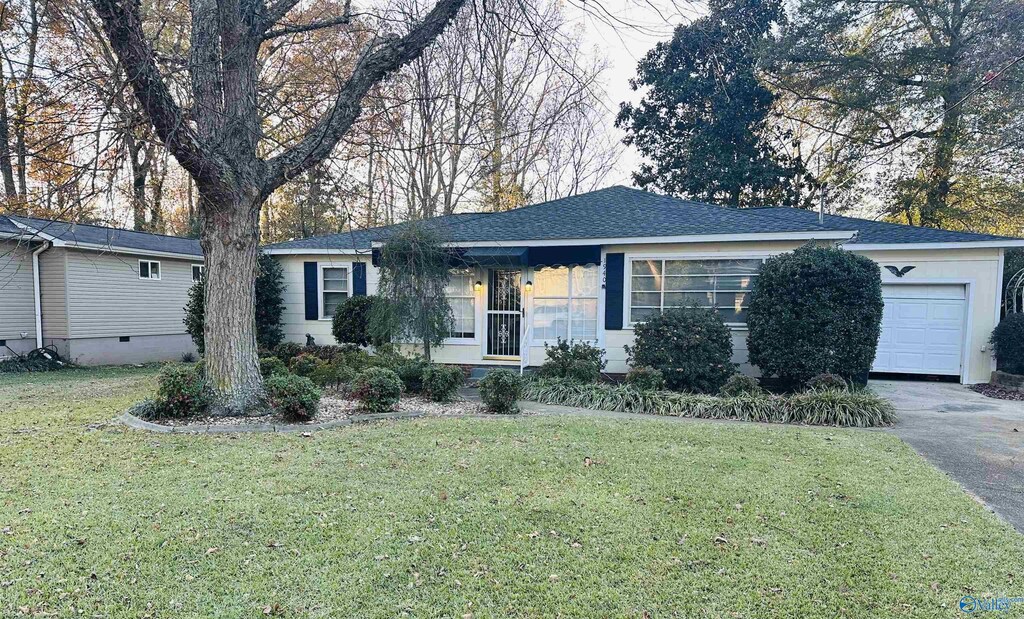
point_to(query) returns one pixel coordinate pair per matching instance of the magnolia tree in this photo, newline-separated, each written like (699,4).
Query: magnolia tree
(213,124)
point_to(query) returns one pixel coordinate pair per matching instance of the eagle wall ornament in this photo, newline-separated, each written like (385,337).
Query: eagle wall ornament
(898,272)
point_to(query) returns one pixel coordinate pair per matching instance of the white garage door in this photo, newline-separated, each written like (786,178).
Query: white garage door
(922,329)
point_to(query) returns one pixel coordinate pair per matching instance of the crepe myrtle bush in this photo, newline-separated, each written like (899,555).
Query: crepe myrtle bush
(692,348)
(812,311)
(1008,344)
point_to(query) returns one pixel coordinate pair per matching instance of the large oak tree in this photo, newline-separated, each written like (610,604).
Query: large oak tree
(218,138)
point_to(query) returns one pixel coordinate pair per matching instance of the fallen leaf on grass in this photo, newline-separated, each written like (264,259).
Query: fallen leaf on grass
(213,550)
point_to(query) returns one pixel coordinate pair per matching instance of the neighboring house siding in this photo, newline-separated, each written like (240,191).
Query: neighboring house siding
(17,297)
(52,263)
(108,299)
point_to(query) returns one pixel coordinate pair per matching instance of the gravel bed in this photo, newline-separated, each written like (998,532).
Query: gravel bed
(995,391)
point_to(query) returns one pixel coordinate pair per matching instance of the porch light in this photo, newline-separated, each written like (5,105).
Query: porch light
(478,286)
(528,286)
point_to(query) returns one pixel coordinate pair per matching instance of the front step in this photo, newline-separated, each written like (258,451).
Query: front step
(477,372)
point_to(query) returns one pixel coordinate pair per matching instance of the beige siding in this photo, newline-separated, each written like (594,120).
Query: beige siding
(293,320)
(107,298)
(17,292)
(52,265)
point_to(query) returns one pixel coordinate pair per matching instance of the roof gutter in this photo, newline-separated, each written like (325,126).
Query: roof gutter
(38,292)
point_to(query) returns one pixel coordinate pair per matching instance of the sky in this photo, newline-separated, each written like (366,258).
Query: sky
(624,30)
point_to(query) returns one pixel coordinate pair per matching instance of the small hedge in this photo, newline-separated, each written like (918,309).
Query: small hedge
(692,348)
(441,382)
(500,391)
(411,372)
(1008,344)
(378,389)
(577,361)
(296,398)
(270,366)
(305,364)
(645,379)
(740,384)
(828,408)
(182,391)
(828,382)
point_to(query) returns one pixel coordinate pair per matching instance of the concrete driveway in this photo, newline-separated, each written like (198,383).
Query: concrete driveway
(978,441)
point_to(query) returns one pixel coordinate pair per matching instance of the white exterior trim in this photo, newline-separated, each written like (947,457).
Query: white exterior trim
(159,269)
(913,246)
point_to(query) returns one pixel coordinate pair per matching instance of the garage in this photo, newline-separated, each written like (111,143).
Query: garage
(923,329)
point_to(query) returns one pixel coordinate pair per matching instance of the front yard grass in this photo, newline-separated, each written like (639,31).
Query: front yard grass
(523,517)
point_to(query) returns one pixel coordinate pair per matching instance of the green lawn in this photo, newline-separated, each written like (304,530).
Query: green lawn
(474,517)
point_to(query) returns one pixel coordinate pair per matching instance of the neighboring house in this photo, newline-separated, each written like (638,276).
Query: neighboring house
(590,266)
(98,295)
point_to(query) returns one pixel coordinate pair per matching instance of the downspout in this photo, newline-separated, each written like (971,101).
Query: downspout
(38,292)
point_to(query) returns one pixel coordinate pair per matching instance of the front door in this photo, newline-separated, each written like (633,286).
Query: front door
(504,313)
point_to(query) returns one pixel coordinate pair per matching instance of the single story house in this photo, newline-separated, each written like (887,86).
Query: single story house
(98,295)
(591,266)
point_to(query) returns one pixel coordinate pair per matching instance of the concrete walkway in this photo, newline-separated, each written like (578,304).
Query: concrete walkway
(976,440)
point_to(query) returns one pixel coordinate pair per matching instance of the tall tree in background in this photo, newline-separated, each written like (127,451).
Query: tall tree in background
(931,92)
(219,142)
(705,123)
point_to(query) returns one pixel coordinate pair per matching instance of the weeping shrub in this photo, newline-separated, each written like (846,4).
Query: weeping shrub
(692,348)
(831,408)
(815,310)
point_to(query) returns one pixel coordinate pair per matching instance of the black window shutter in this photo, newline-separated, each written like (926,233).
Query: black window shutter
(311,289)
(359,279)
(615,265)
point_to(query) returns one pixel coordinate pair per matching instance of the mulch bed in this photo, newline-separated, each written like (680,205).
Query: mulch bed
(995,391)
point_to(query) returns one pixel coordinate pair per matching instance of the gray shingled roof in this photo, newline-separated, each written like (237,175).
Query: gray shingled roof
(879,232)
(615,212)
(111,237)
(7,226)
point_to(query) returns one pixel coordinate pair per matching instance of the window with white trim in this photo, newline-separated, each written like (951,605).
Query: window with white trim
(149,269)
(723,285)
(198,270)
(462,299)
(333,289)
(565,303)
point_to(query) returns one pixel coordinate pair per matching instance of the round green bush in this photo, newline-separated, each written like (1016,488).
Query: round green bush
(577,361)
(827,382)
(296,398)
(305,364)
(692,348)
(500,391)
(351,322)
(645,379)
(182,391)
(272,365)
(738,385)
(815,310)
(411,373)
(1008,344)
(441,382)
(378,389)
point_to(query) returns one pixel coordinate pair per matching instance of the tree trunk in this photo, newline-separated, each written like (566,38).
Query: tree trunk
(230,241)
(6,168)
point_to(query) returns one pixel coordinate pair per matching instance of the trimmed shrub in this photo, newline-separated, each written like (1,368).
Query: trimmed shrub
(831,408)
(296,398)
(441,382)
(740,384)
(332,374)
(351,322)
(692,348)
(329,352)
(305,364)
(827,382)
(1008,344)
(182,391)
(411,373)
(500,390)
(645,379)
(813,311)
(285,351)
(378,389)
(573,360)
(272,365)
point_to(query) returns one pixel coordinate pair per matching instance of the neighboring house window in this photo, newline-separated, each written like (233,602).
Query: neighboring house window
(722,285)
(565,303)
(198,270)
(462,299)
(149,269)
(334,283)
